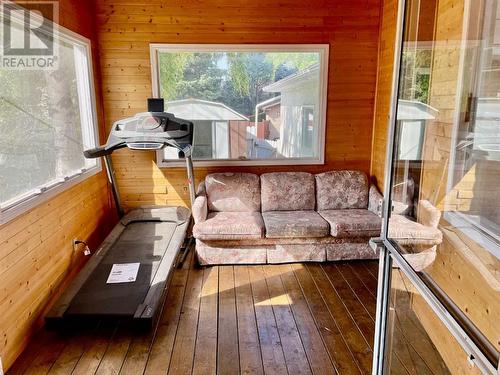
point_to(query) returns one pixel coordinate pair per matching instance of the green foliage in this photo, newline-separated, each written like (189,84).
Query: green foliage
(422,88)
(202,78)
(284,70)
(171,72)
(39,126)
(239,73)
(293,60)
(24,143)
(250,73)
(414,84)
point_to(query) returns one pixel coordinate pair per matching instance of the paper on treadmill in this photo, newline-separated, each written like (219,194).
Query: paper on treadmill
(123,273)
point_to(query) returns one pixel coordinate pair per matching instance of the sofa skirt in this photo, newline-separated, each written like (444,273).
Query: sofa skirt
(274,251)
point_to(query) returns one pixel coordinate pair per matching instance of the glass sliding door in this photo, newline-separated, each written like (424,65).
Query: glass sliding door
(442,296)
(416,335)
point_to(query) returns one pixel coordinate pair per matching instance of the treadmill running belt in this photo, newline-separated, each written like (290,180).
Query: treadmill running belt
(141,242)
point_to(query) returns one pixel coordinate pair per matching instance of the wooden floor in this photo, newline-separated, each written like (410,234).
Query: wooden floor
(412,350)
(272,319)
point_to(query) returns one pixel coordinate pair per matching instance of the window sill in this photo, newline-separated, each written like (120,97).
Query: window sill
(162,163)
(477,232)
(29,201)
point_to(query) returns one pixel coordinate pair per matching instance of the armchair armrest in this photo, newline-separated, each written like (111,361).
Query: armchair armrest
(375,201)
(428,214)
(201,190)
(200,205)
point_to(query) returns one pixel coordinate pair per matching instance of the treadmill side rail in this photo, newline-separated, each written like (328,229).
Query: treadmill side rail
(57,311)
(151,305)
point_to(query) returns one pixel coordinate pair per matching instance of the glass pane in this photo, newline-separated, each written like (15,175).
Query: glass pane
(419,342)
(40,125)
(446,170)
(245,105)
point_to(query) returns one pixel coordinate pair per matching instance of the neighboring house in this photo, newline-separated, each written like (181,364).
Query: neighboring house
(486,137)
(298,112)
(213,126)
(412,117)
(272,110)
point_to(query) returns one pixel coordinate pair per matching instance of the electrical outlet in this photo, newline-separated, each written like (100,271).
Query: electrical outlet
(86,249)
(86,252)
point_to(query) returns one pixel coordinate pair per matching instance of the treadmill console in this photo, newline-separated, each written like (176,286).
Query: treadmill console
(147,131)
(160,124)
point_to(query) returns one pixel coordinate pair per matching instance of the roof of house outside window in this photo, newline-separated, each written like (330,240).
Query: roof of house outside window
(197,109)
(409,110)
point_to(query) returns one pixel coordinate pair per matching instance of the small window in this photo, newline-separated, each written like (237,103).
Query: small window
(250,104)
(47,120)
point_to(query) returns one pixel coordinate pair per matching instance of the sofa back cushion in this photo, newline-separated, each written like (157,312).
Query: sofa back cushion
(233,192)
(287,191)
(338,190)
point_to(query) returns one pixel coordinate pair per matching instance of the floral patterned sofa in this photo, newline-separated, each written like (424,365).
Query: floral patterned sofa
(241,218)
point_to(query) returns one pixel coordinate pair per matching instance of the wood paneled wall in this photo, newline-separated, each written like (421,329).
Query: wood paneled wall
(36,252)
(446,74)
(126,28)
(388,18)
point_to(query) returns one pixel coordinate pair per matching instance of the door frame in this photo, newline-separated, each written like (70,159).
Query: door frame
(473,343)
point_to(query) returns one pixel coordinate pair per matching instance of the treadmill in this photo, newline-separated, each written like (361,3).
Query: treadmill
(149,238)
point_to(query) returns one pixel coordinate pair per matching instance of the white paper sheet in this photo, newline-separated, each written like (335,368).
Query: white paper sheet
(123,273)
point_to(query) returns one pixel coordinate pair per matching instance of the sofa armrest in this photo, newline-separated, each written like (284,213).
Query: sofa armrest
(375,201)
(428,214)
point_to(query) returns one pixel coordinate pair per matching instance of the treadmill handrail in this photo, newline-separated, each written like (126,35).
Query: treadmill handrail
(103,150)
(109,149)
(179,136)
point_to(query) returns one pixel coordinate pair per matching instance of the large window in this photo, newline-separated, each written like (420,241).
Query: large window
(47,119)
(250,105)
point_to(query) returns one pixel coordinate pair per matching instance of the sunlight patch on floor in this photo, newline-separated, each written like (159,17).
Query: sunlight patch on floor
(283,299)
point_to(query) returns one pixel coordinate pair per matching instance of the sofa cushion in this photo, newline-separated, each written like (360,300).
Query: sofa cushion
(337,190)
(230,226)
(287,191)
(233,192)
(208,254)
(352,222)
(281,224)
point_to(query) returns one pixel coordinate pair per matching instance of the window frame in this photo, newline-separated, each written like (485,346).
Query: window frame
(322,49)
(22,203)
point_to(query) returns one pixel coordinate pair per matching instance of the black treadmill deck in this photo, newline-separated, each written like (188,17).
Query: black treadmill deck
(142,242)
(149,236)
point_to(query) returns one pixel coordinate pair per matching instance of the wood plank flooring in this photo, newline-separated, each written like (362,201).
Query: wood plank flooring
(270,319)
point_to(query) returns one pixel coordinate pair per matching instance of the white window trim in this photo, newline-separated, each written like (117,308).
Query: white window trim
(25,202)
(322,49)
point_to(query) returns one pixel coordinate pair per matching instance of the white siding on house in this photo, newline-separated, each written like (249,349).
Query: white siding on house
(292,135)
